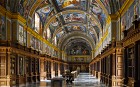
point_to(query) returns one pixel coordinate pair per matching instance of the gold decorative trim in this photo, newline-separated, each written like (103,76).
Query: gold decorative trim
(102,6)
(37,3)
(102,40)
(122,11)
(125,6)
(42,39)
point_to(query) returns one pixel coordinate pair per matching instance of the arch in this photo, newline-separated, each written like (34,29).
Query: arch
(60,29)
(76,34)
(72,11)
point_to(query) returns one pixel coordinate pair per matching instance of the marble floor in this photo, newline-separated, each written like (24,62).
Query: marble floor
(82,80)
(86,80)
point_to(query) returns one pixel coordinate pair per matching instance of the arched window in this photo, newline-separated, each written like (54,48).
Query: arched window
(37,23)
(48,33)
(55,40)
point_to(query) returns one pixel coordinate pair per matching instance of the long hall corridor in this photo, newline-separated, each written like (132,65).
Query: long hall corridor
(89,43)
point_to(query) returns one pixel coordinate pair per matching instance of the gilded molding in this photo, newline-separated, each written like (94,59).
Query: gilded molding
(125,7)
(131,40)
(37,3)
(122,11)
(102,40)
(102,6)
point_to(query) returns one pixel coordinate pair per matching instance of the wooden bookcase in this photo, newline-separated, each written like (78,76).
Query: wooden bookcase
(13,65)
(130,60)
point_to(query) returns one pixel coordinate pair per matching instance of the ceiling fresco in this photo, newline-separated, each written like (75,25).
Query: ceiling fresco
(76,27)
(88,16)
(54,25)
(44,12)
(107,5)
(59,34)
(79,4)
(74,17)
(99,13)
(93,36)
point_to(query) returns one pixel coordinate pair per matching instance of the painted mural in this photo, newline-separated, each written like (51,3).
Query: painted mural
(138,8)
(96,9)
(45,34)
(93,26)
(44,13)
(59,34)
(107,4)
(54,25)
(74,17)
(78,50)
(21,7)
(25,38)
(76,27)
(123,22)
(96,29)
(2,28)
(122,2)
(93,36)
(33,42)
(24,7)
(81,4)
(37,44)
(31,2)
(21,34)
(46,49)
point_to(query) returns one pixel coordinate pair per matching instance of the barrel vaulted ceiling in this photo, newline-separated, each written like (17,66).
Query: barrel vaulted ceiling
(62,17)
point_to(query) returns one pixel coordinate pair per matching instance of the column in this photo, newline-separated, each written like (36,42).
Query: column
(59,69)
(117,77)
(113,69)
(8,73)
(52,69)
(62,55)
(92,54)
(42,69)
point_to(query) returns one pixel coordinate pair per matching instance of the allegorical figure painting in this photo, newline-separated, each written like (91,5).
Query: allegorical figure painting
(79,50)
(96,9)
(81,4)
(2,28)
(74,17)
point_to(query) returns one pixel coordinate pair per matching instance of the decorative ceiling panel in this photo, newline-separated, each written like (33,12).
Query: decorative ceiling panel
(79,4)
(44,12)
(74,17)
